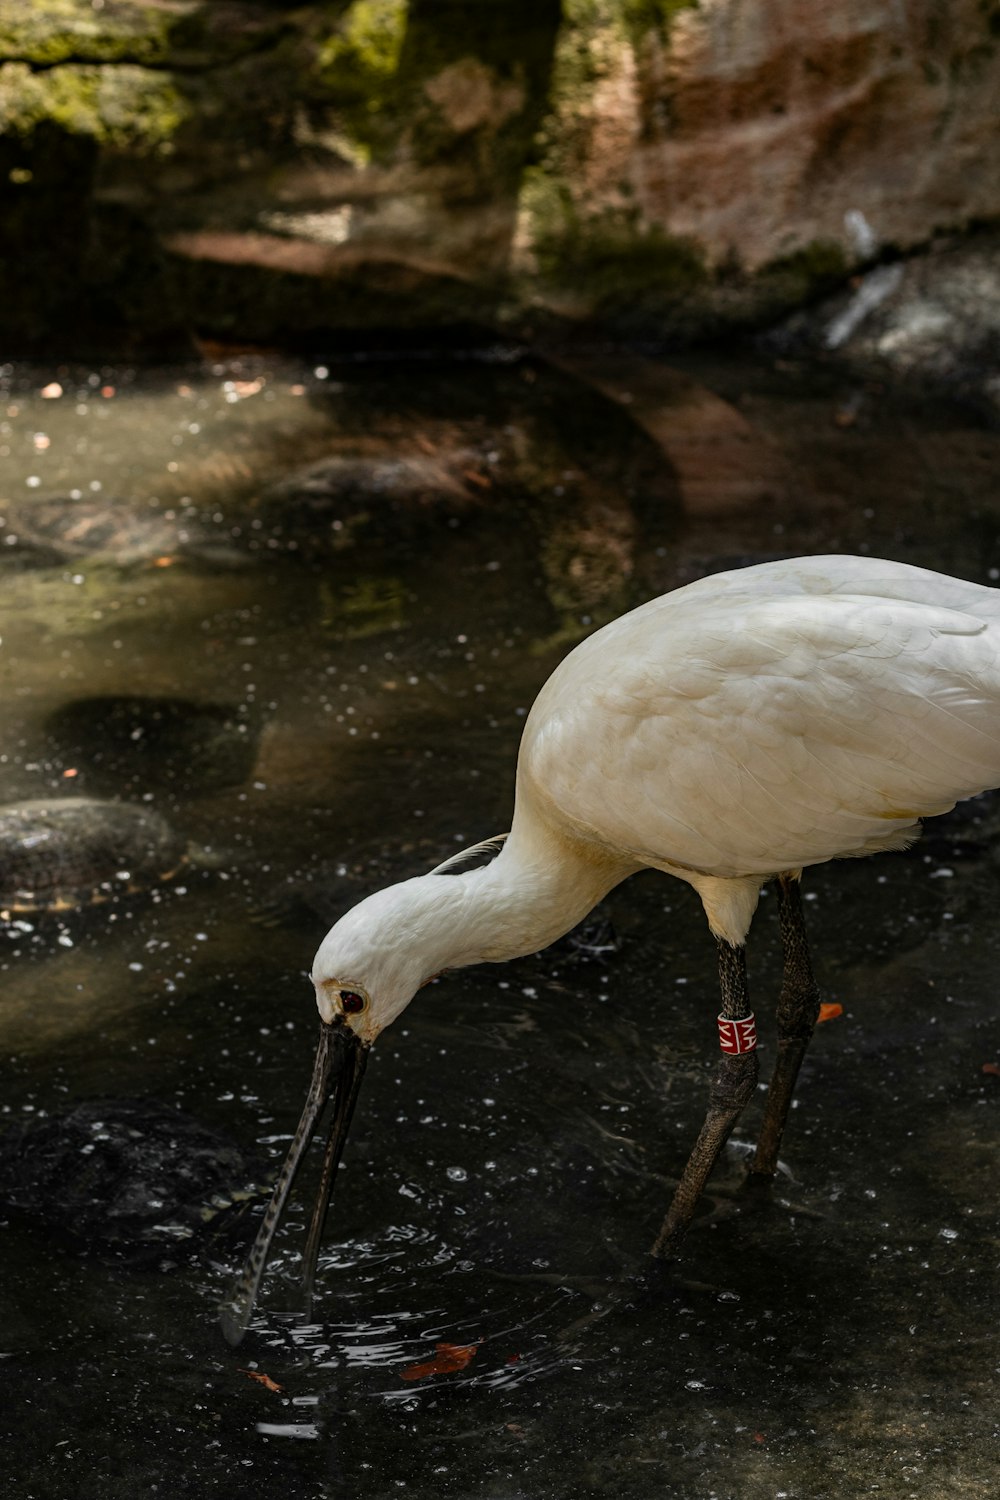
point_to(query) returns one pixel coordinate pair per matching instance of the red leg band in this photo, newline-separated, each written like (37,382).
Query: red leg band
(738,1036)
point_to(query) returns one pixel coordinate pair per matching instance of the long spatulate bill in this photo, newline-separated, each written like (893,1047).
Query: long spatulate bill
(237,1310)
(354,1060)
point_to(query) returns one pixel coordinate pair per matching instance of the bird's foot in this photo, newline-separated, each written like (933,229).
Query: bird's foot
(761,1191)
(757,1186)
(658,1282)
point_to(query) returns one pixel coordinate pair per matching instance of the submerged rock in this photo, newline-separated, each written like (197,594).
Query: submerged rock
(63,529)
(57,854)
(132,742)
(125,1172)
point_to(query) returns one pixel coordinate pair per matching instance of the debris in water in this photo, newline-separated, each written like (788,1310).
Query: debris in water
(829,1012)
(262,1379)
(448,1359)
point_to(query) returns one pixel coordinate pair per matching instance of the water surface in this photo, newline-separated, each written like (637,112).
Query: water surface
(521,1127)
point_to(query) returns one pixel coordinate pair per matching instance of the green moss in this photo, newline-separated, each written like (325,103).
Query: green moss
(642,16)
(357,65)
(601,246)
(611,258)
(47,32)
(123,106)
(366,607)
(807,273)
(593,30)
(370,38)
(582,51)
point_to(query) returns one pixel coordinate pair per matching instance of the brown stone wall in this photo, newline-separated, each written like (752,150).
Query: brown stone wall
(256,170)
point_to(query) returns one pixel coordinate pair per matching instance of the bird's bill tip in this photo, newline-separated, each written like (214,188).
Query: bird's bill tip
(234,1321)
(334,1054)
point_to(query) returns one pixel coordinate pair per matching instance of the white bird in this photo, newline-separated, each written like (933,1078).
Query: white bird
(729,733)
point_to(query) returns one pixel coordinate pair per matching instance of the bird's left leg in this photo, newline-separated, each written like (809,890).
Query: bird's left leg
(798,1008)
(731,1089)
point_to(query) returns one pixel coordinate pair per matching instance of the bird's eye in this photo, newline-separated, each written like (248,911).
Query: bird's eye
(352,1002)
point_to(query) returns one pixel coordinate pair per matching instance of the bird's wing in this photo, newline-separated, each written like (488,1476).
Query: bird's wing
(779,733)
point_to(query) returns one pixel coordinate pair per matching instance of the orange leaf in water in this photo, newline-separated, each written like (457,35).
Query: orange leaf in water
(448,1359)
(829,1012)
(265,1380)
(992,1068)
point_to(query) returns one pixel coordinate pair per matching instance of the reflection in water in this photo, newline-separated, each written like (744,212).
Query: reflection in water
(522,1129)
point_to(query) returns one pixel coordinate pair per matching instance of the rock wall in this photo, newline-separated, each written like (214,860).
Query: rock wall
(771,120)
(269,170)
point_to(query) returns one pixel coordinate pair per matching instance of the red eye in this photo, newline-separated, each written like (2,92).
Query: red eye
(352,1002)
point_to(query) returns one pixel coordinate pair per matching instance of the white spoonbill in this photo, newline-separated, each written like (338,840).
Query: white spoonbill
(729,733)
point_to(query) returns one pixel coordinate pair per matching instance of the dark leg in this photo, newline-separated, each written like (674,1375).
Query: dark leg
(732,1087)
(798,1007)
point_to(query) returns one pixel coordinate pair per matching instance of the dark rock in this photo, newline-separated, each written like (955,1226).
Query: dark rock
(134,743)
(121,1172)
(57,854)
(933,320)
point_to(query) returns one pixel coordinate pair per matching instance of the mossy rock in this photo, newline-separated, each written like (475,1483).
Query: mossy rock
(185,33)
(124,106)
(614,260)
(43,33)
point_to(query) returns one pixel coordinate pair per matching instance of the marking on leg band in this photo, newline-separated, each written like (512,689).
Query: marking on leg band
(738,1036)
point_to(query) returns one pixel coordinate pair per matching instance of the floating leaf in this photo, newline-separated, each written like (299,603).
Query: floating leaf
(448,1359)
(262,1379)
(829,1012)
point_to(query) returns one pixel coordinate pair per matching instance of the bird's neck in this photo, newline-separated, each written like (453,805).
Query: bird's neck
(538,887)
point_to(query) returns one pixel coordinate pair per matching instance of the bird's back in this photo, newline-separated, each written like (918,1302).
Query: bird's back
(771,717)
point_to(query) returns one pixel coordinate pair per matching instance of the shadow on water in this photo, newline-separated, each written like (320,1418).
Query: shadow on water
(317,719)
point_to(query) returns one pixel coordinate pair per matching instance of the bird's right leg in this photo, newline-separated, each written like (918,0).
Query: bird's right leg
(731,1089)
(798,1008)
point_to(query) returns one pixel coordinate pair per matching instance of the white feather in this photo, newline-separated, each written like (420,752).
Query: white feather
(490,846)
(745,726)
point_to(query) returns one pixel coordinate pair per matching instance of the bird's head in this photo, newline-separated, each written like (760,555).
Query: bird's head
(374,959)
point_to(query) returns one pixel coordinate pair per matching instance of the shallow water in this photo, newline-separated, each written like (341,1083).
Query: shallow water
(521,1127)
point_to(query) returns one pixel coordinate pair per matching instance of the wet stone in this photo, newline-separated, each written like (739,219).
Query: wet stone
(60,529)
(131,743)
(390,493)
(57,529)
(57,854)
